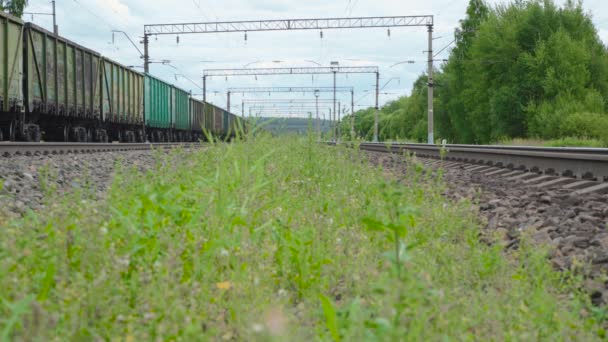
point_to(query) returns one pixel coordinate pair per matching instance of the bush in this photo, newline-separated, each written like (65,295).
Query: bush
(589,125)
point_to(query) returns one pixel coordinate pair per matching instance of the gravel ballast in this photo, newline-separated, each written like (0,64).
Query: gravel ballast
(573,227)
(24,177)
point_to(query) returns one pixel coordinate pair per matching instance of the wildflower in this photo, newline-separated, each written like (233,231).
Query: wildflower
(224,285)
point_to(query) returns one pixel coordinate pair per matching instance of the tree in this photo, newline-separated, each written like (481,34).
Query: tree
(14,7)
(528,68)
(454,103)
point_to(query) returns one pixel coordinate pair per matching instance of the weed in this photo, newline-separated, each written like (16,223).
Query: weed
(268,238)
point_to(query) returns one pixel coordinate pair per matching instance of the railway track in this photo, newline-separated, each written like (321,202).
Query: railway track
(8,149)
(583,170)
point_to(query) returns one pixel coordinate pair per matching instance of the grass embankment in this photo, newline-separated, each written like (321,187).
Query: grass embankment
(273,239)
(564,142)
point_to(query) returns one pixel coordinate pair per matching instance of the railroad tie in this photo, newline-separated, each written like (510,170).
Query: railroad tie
(555,182)
(600,188)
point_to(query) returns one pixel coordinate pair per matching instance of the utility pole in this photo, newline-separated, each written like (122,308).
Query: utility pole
(377,108)
(431,138)
(334,131)
(243,109)
(228,101)
(55,27)
(338,122)
(352,114)
(204,88)
(330,122)
(317,109)
(147,55)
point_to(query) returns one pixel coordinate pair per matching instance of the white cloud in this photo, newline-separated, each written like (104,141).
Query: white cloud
(115,6)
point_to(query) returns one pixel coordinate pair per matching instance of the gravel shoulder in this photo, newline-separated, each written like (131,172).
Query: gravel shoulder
(573,227)
(25,178)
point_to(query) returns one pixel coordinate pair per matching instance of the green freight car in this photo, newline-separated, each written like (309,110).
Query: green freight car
(62,85)
(122,101)
(167,112)
(180,101)
(11,56)
(225,123)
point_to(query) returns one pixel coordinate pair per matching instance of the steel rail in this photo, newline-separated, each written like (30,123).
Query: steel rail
(8,149)
(581,163)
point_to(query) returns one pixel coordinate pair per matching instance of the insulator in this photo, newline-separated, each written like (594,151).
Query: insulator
(245,36)
(388,32)
(321,34)
(177,39)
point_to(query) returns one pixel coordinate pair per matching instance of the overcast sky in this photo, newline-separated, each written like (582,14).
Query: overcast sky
(90,22)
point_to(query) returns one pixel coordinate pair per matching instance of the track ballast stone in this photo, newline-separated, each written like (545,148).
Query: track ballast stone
(574,227)
(24,177)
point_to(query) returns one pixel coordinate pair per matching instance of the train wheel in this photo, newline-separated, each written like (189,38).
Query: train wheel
(80,134)
(101,135)
(12,131)
(89,135)
(32,133)
(66,133)
(141,137)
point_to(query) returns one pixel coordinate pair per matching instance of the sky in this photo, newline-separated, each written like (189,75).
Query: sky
(90,23)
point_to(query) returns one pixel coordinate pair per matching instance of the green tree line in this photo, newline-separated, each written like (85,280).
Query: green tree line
(14,7)
(527,69)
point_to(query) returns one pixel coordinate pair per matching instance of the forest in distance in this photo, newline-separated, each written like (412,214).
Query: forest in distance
(523,69)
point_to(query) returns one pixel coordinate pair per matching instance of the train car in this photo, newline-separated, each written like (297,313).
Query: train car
(234,124)
(11,59)
(180,107)
(61,91)
(225,123)
(167,113)
(55,89)
(218,121)
(197,113)
(209,117)
(122,102)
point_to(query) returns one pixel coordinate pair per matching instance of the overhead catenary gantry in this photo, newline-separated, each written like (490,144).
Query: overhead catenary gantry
(334,70)
(303,24)
(300,109)
(298,103)
(270,90)
(314,90)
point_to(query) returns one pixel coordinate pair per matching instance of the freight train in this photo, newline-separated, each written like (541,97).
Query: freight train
(56,90)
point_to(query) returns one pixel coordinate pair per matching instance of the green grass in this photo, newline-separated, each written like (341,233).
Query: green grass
(563,142)
(274,239)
